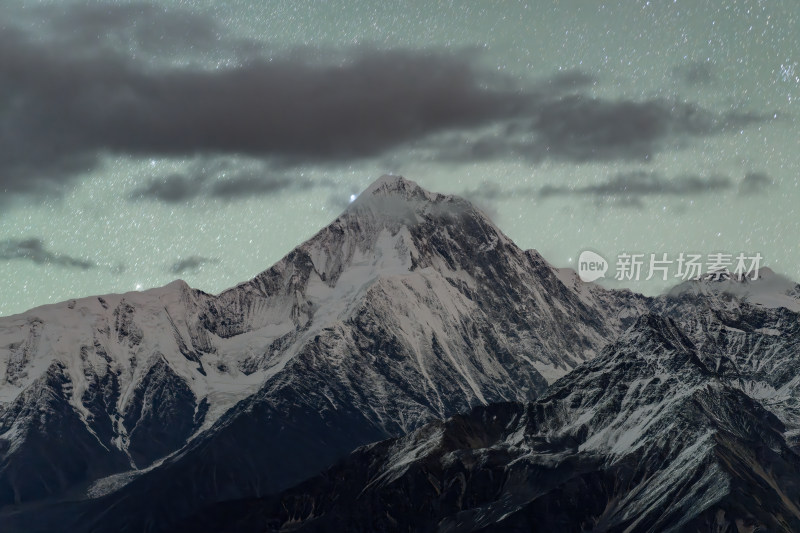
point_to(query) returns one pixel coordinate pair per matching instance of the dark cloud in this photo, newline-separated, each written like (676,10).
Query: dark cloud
(579,129)
(485,197)
(490,191)
(487,190)
(628,189)
(568,80)
(191,264)
(487,194)
(248,186)
(175,188)
(87,83)
(587,129)
(755,183)
(694,73)
(148,31)
(222,179)
(64,107)
(34,250)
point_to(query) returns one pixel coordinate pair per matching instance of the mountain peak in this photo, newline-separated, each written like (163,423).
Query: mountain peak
(395,199)
(389,184)
(390,188)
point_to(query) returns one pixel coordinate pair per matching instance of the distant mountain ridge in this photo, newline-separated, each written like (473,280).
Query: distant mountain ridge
(646,437)
(409,307)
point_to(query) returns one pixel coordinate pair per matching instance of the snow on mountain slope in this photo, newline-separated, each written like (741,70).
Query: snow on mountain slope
(755,346)
(408,307)
(114,372)
(118,337)
(643,438)
(764,287)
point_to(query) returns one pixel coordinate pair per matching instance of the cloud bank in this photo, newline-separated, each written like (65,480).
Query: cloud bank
(90,83)
(191,264)
(35,251)
(628,189)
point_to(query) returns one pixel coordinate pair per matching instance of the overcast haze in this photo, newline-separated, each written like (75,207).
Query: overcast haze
(141,142)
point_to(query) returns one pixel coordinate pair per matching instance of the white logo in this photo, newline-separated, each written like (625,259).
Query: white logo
(591,266)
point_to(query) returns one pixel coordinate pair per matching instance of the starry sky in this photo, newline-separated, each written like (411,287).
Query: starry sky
(142,142)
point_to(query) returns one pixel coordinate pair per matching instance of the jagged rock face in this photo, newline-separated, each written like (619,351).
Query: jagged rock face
(41,424)
(753,347)
(643,438)
(160,414)
(103,385)
(411,306)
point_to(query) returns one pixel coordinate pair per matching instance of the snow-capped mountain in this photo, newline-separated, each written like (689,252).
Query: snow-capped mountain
(409,307)
(647,437)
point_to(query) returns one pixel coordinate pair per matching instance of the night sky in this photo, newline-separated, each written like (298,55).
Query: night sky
(203,140)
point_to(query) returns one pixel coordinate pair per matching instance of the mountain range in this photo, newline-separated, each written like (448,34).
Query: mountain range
(408,368)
